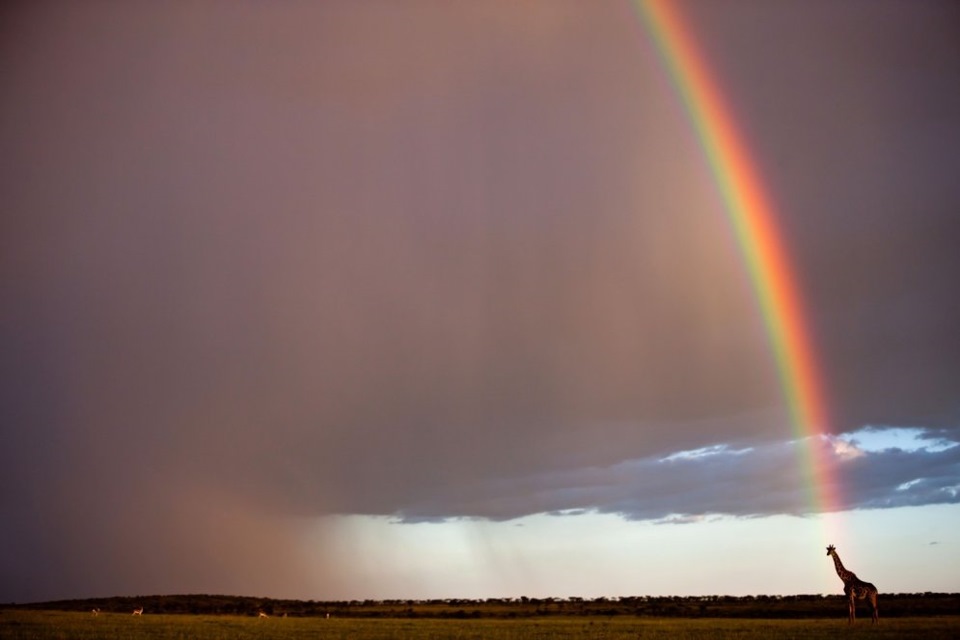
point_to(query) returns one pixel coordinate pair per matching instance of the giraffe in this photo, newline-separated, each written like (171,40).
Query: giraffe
(855,588)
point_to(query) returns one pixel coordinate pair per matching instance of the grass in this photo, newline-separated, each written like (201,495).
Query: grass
(42,625)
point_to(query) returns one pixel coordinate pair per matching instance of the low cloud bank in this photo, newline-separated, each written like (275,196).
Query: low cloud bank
(918,467)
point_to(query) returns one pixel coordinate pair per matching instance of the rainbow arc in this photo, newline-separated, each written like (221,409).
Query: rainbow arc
(754,220)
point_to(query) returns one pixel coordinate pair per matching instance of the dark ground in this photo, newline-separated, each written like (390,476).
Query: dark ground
(799,606)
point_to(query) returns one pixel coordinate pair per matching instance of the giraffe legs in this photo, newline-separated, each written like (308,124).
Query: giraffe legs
(871,598)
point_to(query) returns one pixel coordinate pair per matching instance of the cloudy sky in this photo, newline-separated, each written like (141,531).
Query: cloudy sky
(421,299)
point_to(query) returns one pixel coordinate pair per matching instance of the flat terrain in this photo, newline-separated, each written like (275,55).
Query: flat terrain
(826,607)
(40,625)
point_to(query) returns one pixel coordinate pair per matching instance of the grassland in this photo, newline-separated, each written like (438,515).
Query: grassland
(43,625)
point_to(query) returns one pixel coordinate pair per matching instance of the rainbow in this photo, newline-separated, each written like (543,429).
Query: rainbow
(754,221)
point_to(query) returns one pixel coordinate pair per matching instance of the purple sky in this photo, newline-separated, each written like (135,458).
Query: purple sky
(262,263)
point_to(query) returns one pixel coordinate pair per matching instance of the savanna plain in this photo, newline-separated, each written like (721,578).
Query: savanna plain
(41,625)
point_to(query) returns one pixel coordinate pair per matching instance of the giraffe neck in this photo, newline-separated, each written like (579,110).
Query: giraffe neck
(841,571)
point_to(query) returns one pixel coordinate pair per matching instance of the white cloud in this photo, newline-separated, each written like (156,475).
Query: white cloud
(904,486)
(880,438)
(845,450)
(703,452)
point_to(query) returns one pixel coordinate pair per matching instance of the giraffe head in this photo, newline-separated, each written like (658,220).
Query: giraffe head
(831,550)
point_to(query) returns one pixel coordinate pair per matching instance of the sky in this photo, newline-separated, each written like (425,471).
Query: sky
(439,300)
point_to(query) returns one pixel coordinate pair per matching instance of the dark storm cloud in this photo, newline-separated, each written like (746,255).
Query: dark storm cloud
(299,259)
(748,481)
(898,478)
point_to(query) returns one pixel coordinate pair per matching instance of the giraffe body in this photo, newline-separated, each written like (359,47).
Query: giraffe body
(855,588)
